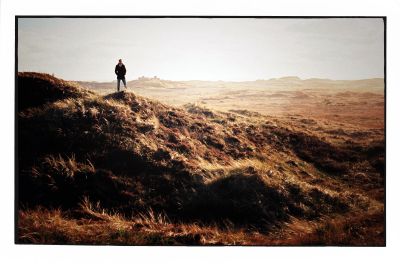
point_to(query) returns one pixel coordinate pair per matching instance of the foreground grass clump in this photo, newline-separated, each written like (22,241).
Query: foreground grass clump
(168,176)
(95,226)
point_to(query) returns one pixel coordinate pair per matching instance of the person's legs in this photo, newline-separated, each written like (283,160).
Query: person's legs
(124,81)
(118,82)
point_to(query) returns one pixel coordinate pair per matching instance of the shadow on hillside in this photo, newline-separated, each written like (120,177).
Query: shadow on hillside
(72,146)
(242,199)
(36,89)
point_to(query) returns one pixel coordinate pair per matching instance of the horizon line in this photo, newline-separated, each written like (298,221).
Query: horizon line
(212,80)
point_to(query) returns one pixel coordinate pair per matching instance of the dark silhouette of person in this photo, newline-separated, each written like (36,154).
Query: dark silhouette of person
(120,71)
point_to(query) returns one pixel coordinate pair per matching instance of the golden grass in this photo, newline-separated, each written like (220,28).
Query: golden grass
(238,178)
(44,226)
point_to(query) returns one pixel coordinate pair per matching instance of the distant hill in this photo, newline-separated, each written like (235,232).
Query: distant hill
(291,82)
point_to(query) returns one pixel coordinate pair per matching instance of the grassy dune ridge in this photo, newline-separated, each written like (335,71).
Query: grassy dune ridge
(124,169)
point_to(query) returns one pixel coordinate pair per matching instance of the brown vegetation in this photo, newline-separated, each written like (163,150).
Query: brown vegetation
(123,169)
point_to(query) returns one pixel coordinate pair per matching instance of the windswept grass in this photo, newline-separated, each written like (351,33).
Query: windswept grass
(93,225)
(161,175)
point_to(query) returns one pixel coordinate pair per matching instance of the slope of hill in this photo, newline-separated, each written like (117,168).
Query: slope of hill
(124,169)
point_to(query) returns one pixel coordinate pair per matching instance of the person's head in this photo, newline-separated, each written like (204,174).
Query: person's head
(120,61)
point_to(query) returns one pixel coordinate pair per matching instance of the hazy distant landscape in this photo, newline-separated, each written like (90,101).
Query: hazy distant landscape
(358,102)
(283,161)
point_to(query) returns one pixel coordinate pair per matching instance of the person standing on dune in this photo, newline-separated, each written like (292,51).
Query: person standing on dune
(120,71)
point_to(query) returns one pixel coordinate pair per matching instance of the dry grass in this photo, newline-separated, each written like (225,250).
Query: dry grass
(96,226)
(231,178)
(43,226)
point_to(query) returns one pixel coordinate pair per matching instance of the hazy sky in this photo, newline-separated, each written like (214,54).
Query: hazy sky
(203,49)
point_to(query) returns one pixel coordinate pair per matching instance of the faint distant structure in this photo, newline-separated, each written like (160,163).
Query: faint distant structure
(143,78)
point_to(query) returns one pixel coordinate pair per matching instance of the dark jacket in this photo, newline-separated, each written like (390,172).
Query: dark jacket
(120,71)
